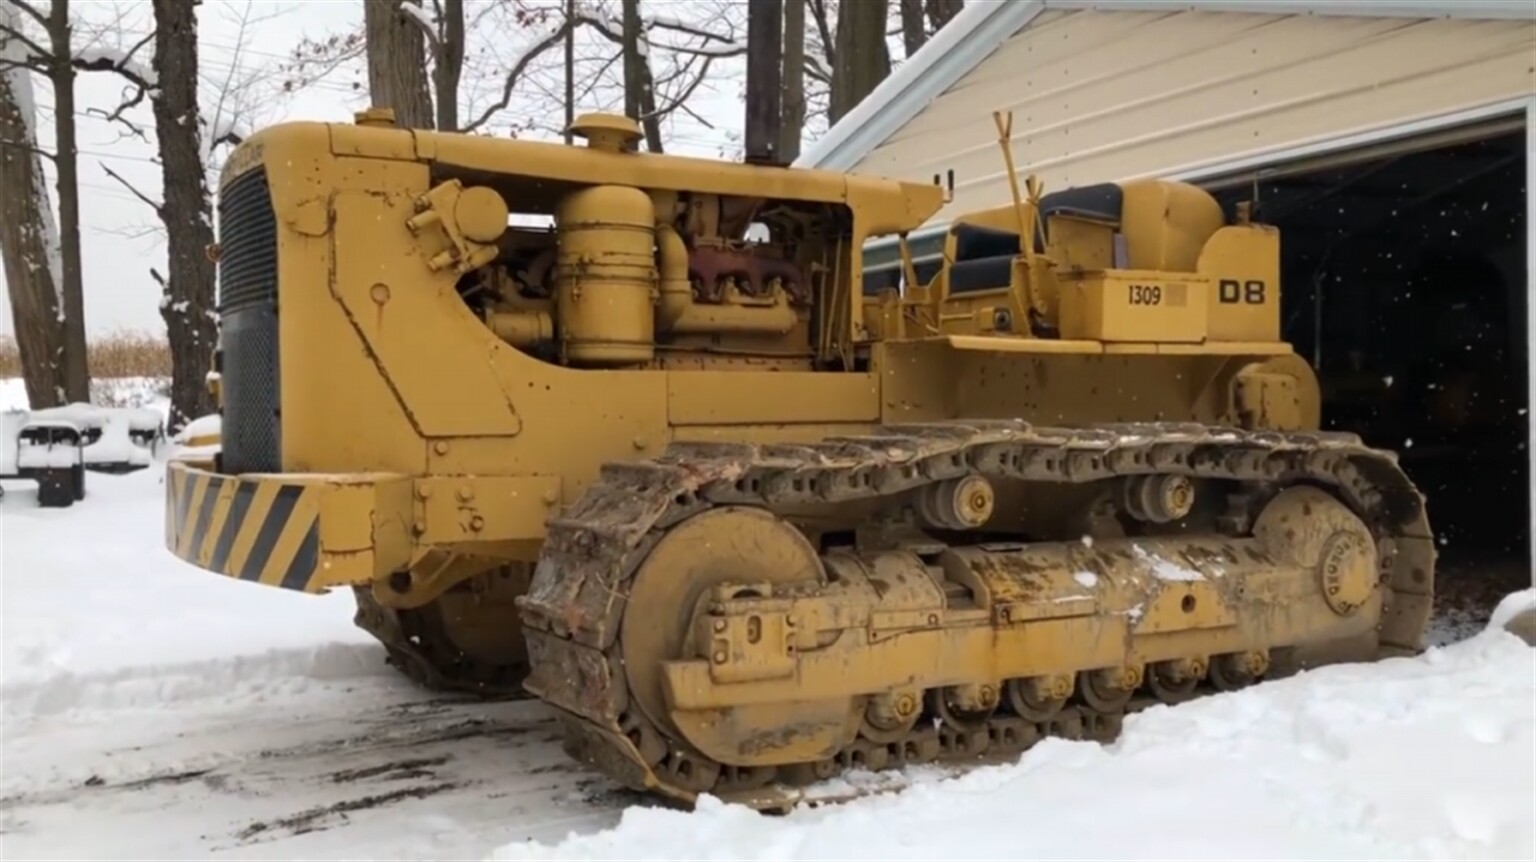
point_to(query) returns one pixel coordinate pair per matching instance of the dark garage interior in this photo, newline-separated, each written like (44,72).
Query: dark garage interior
(1405,284)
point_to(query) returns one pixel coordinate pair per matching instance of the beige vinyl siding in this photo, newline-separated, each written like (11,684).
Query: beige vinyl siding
(1105,95)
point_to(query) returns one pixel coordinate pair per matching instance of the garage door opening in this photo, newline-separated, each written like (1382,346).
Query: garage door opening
(1405,283)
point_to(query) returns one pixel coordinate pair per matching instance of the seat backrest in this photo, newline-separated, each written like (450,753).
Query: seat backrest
(1167,223)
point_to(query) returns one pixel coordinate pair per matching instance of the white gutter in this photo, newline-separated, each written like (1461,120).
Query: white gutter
(1470,9)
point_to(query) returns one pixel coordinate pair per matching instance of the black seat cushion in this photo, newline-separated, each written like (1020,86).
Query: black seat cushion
(973,242)
(985,273)
(1102,202)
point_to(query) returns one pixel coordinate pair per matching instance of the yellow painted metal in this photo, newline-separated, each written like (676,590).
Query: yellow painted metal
(308,533)
(1135,306)
(442,392)
(453,380)
(605,276)
(1050,608)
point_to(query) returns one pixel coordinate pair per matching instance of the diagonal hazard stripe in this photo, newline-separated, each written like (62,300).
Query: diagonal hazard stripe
(271,529)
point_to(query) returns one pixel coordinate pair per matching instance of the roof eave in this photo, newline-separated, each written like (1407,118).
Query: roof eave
(954,50)
(980,28)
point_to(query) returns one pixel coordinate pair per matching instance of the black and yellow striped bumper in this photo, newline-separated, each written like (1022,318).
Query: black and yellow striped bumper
(298,532)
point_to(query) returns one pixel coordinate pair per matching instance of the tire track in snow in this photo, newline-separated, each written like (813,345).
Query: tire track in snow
(359,765)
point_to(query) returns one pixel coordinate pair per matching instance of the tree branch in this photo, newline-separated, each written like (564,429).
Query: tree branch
(516,72)
(419,18)
(687,91)
(8,65)
(116,115)
(815,71)
(824,30)
(694,114)
(17,145)
(590,85)
(124,65)
(40,56)
(159,210)
(231,137)
(31,11)
(346,49)
(129,68)
(732,50)
(681,27)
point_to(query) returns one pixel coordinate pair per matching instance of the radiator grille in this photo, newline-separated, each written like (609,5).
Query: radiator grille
(248,326)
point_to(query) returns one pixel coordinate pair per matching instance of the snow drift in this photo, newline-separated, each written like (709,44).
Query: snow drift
(1423,758)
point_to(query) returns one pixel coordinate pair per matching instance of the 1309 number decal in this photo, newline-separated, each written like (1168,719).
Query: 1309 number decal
(1146,294)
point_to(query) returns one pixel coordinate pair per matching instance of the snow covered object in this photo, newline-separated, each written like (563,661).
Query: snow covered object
(747,519)
(55,446)
(198,442)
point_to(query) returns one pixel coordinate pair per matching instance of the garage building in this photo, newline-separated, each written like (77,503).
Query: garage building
(1391,143)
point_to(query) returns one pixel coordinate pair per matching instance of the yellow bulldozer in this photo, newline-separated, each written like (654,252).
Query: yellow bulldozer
(634,435)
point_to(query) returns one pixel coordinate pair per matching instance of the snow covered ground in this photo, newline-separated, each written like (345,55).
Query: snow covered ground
(1429,758)
(150,710)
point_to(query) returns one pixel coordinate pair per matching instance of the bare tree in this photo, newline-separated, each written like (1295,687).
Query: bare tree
(511,57)
(913,33)
(793,108)
(639,83)
(196,118)
(570,69)
(187,298)
(941,12)
(28,236)
(921,19)
(448,63)
(59,61)
(478,85)
(764,121)
(397,61)
(862,58)
(820,58)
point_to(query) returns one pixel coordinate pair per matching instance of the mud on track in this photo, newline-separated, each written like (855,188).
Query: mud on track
(369,766)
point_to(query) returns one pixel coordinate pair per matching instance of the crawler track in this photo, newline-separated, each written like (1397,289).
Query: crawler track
(420,647)
(574,609)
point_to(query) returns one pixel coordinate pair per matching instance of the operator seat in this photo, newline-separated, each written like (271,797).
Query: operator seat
(1161,224)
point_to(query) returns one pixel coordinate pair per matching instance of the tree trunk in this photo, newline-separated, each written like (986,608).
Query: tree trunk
(913,34)
(764,121)
(28,238)
(940,12)
(793,127)
(862,59)
(450,66)
(61,71)
(186,299)
(397,63)
(639,88)
(570,69)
